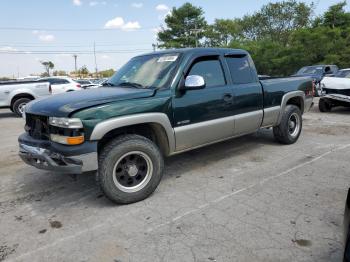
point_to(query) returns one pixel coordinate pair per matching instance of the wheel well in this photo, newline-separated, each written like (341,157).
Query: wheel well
(16,97)
(153,131)
(297,101)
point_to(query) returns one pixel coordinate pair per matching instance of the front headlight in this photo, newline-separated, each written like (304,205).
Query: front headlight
(67,131)
(65,122)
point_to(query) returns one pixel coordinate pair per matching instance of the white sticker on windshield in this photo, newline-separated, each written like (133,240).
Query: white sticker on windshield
(163,59)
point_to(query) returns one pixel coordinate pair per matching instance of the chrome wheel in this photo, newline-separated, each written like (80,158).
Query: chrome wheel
(294,124)
(132,171)
(21,107)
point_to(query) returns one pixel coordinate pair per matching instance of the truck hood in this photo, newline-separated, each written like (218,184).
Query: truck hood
(316,77)
(336,83)
(63,105)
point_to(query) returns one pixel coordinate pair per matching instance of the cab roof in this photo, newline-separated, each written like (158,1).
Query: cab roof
(200,50)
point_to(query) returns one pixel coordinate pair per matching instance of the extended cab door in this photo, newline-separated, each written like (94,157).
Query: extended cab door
(247,93)
(205,115)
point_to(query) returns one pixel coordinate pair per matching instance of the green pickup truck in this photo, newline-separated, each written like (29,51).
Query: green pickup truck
(158,105)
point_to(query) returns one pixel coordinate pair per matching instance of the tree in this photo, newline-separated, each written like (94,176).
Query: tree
(184,27)
(59,73)
(222,32)
(47,65)
(277,21)
(83,71)
(106,73)
(336,16)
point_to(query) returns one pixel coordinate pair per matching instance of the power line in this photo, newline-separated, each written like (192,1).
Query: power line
(71,29)
(47,45)
(62,52)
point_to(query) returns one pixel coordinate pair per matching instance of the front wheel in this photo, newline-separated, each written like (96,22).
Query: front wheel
(288,131)
(324,105)
(130,169)
(19,105)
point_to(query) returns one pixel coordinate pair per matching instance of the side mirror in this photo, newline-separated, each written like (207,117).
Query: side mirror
(194,82)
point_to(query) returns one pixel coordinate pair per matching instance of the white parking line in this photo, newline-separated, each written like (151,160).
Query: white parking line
(190,212)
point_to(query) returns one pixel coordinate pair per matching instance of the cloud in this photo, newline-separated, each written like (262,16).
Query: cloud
(46,37)
(43,36)
(105,57)
(162,8)
(93,3)
(8,48)
(77,2)
(137,5)
(161,17)
(119,23)
(130,26)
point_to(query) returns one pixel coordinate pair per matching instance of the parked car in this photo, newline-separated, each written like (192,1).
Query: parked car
(16,94)
(335,91)
(86,84)
(157,105)
(317,72)
(346,225)
(61,84)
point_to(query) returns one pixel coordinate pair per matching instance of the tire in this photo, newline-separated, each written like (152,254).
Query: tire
(288,131)
(324,105)
(17,106)
(130,169)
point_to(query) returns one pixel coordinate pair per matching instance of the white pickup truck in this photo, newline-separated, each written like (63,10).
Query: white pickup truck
(15,95)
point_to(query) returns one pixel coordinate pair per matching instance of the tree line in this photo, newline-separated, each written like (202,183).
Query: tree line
(281,37)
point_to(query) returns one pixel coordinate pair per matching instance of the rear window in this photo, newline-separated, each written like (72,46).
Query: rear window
(240,69)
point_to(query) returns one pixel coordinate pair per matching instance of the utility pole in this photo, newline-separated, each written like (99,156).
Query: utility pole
(196,31)
(95,59)
(75,63)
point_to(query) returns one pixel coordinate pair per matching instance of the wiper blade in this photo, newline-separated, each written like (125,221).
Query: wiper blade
(107,84)
(136,85)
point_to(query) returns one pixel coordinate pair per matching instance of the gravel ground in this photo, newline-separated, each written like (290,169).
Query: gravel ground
(248,199)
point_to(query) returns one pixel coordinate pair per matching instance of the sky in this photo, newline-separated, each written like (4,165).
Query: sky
(127,28)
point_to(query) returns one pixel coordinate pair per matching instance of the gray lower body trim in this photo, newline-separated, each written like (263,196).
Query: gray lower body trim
(271,115)
(308,104)
(157,118)
(193,135)
(200,134)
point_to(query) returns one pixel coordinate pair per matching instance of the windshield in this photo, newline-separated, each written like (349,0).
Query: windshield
(311,70)
(151,71)
(343,74)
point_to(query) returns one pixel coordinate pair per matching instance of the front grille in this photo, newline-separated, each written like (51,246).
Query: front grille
(37,126)
(345,92)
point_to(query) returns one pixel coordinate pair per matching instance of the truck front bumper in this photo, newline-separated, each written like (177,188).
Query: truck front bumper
(338,97)
(59,158)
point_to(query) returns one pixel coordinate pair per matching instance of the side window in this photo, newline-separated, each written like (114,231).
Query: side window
(210,69)
(59,81)
(240,69)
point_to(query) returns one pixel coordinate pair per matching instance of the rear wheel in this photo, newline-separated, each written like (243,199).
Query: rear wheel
(288,131)
(130,169)
(324,105)
(19,105)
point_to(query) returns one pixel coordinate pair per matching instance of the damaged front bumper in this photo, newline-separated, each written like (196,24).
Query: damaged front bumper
(51,156)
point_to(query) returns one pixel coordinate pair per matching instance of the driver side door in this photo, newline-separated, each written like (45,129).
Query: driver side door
(205,115)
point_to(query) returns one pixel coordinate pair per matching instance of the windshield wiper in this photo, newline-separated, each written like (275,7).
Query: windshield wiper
(107,84)
(131,84)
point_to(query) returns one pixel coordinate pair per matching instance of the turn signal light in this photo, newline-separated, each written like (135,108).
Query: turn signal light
(76,140)
(67,140)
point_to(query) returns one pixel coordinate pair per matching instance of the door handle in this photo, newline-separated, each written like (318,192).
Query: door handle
(228,98)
